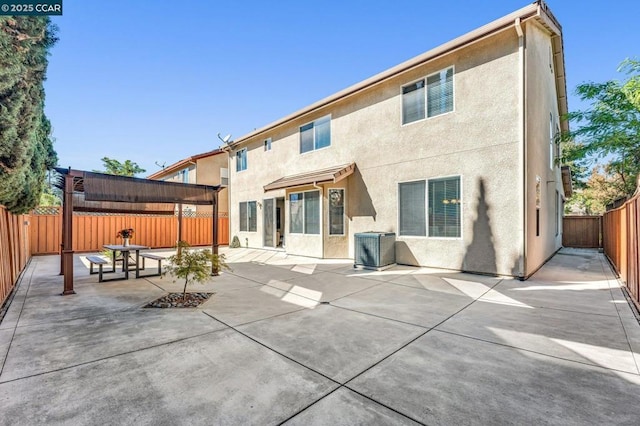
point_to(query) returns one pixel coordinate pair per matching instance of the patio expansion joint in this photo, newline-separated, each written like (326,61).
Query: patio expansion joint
(93,361)
(382,317)
(504,345)
(26,293)
(356,392)
(260,319)
(606,272)
(550,308)
(261,284)
(420,335)
(339,384)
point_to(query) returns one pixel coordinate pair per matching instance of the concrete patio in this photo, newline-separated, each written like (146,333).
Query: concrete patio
(305,341)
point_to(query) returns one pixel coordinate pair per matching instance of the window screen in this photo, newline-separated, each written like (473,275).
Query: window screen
(440,92)
(295,208)
(444,207)
(243,217)
(412,208)
(253,216)
(248,218)
(315,135)
(241,160)
(413,102)
(312,212)
(304,213)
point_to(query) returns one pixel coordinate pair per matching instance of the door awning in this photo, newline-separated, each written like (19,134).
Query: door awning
(333,174)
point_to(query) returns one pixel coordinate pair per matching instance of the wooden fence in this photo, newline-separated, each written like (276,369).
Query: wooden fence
(581,231)
(621,236)
(14,250)
(92,231)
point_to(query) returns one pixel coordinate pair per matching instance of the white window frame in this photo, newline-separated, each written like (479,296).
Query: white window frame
(248,223)
(460,203)
(328,116)
(267,144)
(426,95)
(304,225)
(424,101)
(239,153)
(344,211)
(426,206)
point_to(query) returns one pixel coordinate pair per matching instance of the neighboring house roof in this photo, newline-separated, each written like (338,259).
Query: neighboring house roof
(537,10)
(176,167)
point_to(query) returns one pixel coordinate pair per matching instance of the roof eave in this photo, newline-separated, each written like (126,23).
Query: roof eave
(469,38)
(180,164)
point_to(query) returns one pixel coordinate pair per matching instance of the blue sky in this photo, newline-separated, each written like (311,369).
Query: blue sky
(155,81)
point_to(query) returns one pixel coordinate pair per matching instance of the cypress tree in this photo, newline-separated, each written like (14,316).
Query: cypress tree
(26,148)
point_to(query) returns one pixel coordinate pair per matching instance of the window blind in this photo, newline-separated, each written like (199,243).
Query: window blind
(253,216)
(296,218)
(312,212)
(440,92)
(412,208)
(243,216)
(444,207)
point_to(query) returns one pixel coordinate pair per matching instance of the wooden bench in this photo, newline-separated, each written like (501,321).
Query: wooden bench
(153,257)
(100,261)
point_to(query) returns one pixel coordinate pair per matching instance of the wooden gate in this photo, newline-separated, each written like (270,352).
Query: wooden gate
(582,231)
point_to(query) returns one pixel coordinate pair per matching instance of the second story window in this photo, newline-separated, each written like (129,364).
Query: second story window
(428,98)
(413,102)
(184,175)
(267,144)
(224,176)
(315,135)
(440,92)
(241,160)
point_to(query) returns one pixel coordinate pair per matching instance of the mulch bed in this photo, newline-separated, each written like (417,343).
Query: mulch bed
(174,300)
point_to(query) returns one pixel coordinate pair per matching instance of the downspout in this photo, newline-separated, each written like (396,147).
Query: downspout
(315,185)
(522,142)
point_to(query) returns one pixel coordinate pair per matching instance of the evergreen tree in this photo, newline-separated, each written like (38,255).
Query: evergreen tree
(26,147)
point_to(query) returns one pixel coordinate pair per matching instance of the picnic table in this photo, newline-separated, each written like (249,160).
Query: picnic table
(126,250)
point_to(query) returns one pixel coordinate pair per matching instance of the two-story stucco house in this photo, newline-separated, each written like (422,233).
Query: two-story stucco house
(209,168)
(454,151)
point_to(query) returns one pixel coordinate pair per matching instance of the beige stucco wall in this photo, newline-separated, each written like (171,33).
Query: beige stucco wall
(207,172)
(478,141)
(541,101)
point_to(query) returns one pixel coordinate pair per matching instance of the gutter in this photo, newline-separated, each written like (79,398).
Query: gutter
(461,42)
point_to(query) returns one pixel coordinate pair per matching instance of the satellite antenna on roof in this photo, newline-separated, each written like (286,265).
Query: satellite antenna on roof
(160,165)
(225,139)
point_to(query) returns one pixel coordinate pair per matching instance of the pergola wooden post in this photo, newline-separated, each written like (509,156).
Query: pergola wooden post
(179,239)
(67,235)
(214,231)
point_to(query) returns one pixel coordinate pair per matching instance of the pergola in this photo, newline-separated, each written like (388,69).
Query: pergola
(97,192)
